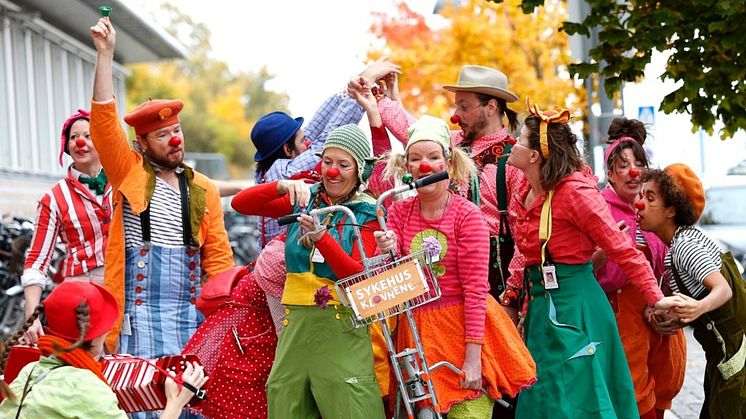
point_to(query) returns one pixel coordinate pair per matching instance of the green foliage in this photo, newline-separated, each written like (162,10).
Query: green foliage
(220,105)
(704,37)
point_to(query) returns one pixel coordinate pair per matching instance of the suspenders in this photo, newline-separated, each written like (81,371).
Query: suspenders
(502,245)
(186,221)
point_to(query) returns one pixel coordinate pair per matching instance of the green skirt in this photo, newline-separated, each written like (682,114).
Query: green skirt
(571,333)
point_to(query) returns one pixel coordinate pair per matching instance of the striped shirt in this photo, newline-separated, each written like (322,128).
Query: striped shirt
(72,212)
(695,256)
(398,120)
(165,218)
(336,111)
(463,235)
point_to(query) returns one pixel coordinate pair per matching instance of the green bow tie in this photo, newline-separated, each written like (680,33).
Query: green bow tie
(97,183)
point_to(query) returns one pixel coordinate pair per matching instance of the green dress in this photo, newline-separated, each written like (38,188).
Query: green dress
(582,371)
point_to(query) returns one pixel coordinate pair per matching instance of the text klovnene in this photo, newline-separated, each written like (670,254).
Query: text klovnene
(386,289)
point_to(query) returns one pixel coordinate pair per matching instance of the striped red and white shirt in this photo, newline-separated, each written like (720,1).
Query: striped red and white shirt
(71,211)
(463,237)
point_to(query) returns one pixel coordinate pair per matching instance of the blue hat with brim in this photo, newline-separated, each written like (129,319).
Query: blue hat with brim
(272,131)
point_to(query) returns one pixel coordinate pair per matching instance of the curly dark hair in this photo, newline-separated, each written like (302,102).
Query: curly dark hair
(623,127)
(672,196)
(564,156)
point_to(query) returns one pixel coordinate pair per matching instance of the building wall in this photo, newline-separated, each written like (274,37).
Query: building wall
(45,76)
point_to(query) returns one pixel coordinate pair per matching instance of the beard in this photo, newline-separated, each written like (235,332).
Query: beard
(474,131)
(164,162)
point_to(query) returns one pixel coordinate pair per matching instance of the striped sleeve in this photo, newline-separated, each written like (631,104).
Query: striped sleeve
(473,245)
(42,245)
(695,260)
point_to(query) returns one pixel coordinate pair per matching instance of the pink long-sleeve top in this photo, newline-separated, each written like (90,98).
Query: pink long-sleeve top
(610,275)
(398,120)
(580,221)
(464,239)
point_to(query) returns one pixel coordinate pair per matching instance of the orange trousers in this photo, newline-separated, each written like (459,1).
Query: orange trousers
(656,362)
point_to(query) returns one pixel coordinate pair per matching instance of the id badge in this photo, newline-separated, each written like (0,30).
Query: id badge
(550,277)
(317,257)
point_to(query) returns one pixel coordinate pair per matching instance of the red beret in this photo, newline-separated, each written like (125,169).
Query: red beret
(689,183)
(154,114)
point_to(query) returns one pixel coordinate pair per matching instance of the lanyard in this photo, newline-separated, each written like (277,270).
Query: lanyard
(545,225)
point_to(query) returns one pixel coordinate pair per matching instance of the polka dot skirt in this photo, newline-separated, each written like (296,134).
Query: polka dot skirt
(237,346)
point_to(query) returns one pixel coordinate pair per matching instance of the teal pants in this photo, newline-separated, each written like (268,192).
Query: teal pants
(323,368)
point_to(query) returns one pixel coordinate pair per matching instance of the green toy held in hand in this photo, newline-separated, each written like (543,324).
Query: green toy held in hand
(105,10)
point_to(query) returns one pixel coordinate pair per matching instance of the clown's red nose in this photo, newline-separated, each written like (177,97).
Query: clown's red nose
(425,167)
(639,205)
(80,143)
(633,173)
(455,119)
(307,143)
(512,140)
(174,142)
(332,173)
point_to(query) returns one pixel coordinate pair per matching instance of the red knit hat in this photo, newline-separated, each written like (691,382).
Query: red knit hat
(60,310)
(154,114)
(689,183)
(80,114)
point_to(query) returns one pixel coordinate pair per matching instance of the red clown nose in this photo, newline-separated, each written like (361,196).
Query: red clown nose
(174,142)
(80,143)
(332,173)
(455,119)
(633,173)
(425,167)
(512,140)
(639,205)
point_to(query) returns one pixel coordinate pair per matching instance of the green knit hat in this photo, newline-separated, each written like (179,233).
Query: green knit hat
(430,128)
(351,139)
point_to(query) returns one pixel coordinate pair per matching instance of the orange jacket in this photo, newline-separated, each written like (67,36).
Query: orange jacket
(133,178)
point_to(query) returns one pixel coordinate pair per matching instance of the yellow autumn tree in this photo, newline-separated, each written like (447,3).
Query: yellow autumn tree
(220,105)
(526,47)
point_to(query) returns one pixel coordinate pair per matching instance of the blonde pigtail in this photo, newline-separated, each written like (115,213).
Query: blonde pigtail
(462,167)
(396,167)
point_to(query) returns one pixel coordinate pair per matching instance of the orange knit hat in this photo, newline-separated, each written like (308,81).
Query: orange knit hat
(154,114)
(689,183)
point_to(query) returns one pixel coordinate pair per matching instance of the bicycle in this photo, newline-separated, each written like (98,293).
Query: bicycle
(388,287)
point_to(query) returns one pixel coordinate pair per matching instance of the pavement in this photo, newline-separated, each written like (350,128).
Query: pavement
(688,402)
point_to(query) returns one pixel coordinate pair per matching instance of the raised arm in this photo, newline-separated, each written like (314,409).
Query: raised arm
(107,133)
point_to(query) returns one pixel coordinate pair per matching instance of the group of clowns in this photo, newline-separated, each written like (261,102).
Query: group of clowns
(559,299)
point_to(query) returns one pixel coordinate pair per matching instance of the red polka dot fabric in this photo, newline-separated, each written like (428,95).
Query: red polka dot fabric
(237,346)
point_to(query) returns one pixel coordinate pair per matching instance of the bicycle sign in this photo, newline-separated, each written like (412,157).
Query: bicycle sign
(388,289)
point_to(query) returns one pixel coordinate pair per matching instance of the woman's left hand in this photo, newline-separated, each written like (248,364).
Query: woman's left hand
(667,303)
(472,368)
(179,396)
(306,223)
